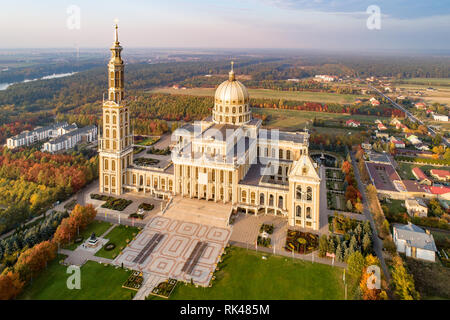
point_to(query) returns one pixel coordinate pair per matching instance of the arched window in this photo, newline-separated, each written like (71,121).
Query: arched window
(114,133)
(113,165)
(107,118)
(252,198)
(106,164)
(280,153)
(107,133)
(298,211)
(309,193)
(288,154)
(280,202)
(298,194)
(113,181)
(308,213)
(280,171)
(106,180)
(271,200)
(134,179)
(261,199)
(114,119)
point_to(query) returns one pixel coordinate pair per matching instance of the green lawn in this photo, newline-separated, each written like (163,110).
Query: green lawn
(120,236)
(98,282)
(245,275)
(99,227)
(405,170)
(323,97)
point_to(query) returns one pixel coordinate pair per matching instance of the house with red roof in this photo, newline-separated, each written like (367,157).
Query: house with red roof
(352,123)
(441,175)
(421,176)
(420,105)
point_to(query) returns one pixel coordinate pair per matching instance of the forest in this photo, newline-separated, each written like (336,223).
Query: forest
(31,181)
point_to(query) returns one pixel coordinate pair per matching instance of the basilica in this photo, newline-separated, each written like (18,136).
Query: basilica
(227,157)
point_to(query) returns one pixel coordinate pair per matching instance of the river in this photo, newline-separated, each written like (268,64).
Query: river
(4,86)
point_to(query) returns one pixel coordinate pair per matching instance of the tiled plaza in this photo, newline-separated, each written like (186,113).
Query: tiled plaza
(177,241)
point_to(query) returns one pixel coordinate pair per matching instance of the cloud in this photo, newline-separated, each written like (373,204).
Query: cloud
(400,9)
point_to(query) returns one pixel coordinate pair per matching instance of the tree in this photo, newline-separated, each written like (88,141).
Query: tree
(10,285)
(349,205)
(366,243)
(323,245)
(403,281)
(346,167)
(355,264)
(359,207)
(339,253)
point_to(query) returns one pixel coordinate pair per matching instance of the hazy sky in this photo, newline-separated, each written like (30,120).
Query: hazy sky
(310,24)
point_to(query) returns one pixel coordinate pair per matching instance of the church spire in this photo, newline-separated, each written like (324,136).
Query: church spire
(116,70)
(231,76)
(117,34)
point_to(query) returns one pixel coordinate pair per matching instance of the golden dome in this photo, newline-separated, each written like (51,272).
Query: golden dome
(231,101)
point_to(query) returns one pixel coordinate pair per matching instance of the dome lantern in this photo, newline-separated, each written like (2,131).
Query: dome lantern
(231,101)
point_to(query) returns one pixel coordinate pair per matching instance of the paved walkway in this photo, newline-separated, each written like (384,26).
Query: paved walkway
(79,256)
(377,243)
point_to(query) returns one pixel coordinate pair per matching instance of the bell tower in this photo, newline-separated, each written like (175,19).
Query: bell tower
(116,139)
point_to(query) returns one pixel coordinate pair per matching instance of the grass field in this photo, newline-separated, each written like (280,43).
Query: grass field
(432,280)
(245,275)
(99,227)
(323,97)
(442,85)
(405,170)
(120,236)
(98,282)
(296,120)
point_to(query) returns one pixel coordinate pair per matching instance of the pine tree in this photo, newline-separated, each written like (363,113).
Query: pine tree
(339,253)
(367,243)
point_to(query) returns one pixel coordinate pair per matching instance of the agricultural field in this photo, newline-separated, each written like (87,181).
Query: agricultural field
(323,97)
(293,120)
(442,86)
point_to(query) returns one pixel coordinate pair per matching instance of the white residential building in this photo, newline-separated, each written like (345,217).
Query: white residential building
(27,138)
(416,207)
(440,117)
(414,242)
(71,137)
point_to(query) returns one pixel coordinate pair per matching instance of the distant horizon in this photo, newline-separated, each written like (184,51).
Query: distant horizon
(391,52)
(346,25)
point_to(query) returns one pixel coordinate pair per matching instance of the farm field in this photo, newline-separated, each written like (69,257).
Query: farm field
(323,97)
(292,120)
(442,85)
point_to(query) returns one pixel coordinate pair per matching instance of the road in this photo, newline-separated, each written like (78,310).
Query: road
(377,243)
(409,114)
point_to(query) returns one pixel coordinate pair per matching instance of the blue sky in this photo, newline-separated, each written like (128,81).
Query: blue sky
(406,25)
